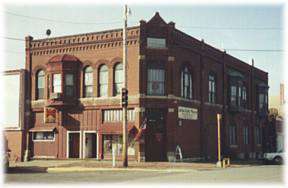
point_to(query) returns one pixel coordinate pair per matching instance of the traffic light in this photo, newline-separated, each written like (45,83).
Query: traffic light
(124,97)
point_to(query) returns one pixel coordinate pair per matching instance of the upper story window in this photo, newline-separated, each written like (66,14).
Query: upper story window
(57,83)
(118,78)
(103,81)
(233,95)
(69,85)
(156,81)
(244,97)
(212,88)
(263,101)
(245,135)
(40,84)
(186,83)
(263,97)
(88,82)
(159,43)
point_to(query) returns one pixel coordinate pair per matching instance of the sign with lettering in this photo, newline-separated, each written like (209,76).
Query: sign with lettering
(50,115)
(187,113)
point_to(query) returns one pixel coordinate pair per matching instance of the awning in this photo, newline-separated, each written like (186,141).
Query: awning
(43,129)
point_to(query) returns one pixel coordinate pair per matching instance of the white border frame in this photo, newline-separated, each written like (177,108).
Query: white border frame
(80,143)
(84,144)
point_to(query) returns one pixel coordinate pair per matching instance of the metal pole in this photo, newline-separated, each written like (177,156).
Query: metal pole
(219,140)
(124,109)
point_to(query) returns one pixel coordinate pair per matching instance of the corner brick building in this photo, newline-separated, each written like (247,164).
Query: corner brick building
(175,81)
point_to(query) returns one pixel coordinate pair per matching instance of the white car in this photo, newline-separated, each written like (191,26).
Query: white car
(276,157)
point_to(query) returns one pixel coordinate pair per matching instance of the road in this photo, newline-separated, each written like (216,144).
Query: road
(250,174)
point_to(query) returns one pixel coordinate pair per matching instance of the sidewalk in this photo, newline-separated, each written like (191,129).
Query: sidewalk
(94,165)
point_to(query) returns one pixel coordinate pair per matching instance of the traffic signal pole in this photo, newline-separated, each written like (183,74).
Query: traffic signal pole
(124,106)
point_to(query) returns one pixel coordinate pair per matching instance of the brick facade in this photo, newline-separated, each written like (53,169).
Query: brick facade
(81,116)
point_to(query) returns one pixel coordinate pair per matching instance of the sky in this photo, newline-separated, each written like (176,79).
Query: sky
(252,28)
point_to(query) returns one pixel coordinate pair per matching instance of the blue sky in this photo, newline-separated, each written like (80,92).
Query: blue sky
(229,27)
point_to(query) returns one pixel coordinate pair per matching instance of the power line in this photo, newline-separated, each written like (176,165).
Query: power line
(12,38)
(233,28)
(255,50)
(60,21)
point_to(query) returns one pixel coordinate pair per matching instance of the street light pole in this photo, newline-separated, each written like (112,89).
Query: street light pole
(124,107)
(218,164)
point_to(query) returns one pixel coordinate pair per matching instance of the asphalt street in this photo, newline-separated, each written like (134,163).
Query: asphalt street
(249,174)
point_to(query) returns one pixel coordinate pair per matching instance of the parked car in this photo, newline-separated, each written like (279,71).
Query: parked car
(275,157)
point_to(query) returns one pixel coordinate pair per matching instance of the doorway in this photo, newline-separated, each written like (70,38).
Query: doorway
(74,145)
(155,137)
(90,150)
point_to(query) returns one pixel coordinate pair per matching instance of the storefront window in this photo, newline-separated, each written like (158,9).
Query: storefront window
(43,136)
(232,135)
(115,141)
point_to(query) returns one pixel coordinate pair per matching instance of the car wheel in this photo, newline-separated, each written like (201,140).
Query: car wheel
(278,160)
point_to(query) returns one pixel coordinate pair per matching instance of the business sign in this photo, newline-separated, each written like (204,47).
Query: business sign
(187,113)
(50,115)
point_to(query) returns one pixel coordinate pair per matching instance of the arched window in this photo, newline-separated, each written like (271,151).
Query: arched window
(88,82)
(118,78)
(40,84)
(103,81)
(186,83)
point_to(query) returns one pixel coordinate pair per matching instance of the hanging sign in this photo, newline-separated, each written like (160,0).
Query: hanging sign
(187,113)
(50,115)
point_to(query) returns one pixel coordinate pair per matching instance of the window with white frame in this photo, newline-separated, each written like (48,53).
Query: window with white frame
(40,84)
(69,85)
(245,135)
(156,81)
(186,83)
(57,83)
(43,136)
(212,88)
(103,81)
(116,115)
(232,135)
(118,78)
(159,43)
(244,97)
(233,95)
(88,82)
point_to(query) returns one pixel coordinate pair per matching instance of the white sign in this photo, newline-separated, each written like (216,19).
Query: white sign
(187,113)
(10,117)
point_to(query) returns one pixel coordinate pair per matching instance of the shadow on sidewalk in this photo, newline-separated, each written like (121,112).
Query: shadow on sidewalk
(26,170)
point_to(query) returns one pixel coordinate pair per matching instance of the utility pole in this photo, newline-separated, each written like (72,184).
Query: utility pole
(125,92)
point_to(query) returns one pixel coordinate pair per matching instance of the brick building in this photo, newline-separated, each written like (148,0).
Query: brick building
(175,81)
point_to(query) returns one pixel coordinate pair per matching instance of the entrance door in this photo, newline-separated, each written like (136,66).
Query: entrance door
(90,145)
(74,139)
(155,136)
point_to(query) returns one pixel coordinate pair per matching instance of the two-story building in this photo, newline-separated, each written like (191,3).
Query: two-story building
(175,81)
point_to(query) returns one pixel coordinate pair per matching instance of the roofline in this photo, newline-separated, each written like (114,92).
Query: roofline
(84,34)
(217,49)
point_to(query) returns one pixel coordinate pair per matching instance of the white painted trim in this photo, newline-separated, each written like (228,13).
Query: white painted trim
(67,143)
(84,144)
(43,157)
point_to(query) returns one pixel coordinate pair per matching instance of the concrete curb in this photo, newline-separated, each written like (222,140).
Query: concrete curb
(87,169)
